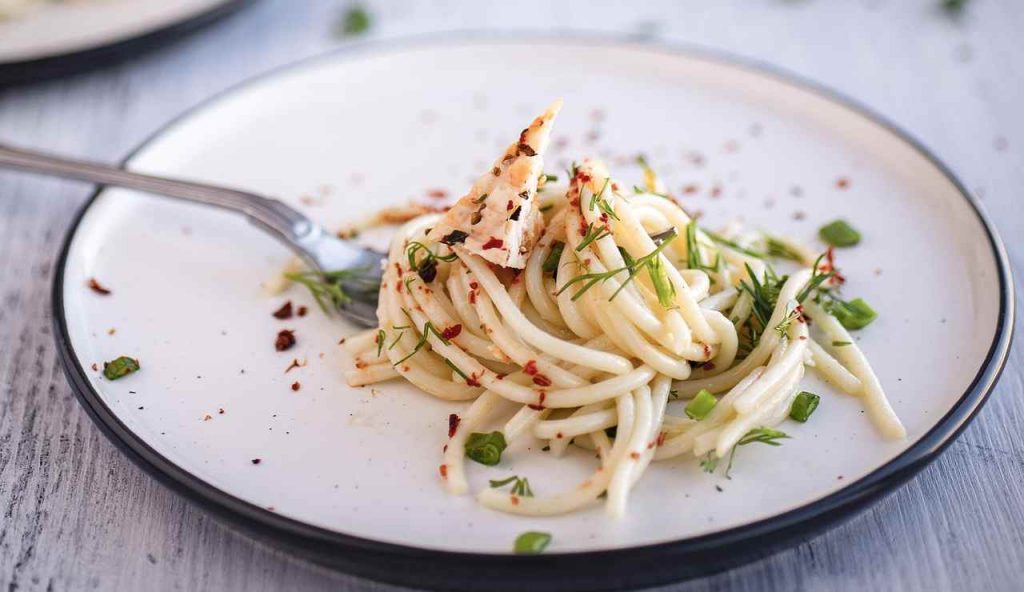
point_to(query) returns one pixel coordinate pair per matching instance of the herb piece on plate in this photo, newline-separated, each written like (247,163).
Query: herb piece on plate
(356,21)
(855,314)
(119,368)
(485,449)
(532,542)
(839,233)
(803,406)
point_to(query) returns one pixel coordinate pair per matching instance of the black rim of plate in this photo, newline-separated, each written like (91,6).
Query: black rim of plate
(606,569)
(89,58)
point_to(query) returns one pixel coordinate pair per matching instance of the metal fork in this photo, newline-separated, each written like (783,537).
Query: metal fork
(319,248)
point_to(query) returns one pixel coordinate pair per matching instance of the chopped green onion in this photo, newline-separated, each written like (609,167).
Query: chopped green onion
(485,449)
(803,406)
(532,542)
(120,367)
(550,178)
(839,234)
(551,261)
(355,21)
(855,314)
(702,404)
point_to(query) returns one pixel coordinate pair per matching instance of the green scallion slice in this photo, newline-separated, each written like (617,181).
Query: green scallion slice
(532,542)
(485,449)
(855,314)
(120,367)
(702,404)
(839,234)
(803,406)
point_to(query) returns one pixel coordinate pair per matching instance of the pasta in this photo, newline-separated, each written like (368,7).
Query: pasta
(623,303)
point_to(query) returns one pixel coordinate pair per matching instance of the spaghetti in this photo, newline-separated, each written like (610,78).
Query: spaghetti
(622,304)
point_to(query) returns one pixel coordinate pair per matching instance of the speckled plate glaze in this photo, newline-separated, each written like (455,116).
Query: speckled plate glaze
(349,476)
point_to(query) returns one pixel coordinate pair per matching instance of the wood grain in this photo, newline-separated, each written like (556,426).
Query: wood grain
(76,514)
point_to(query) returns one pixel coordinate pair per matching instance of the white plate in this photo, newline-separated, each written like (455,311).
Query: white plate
(55,29)
(344,469)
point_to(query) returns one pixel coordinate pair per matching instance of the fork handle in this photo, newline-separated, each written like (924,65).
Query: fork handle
(281,220)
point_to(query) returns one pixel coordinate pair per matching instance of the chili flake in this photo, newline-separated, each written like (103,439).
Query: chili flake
(285,340)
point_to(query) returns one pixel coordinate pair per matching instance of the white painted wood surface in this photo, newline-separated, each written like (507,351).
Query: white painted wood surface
(76,514)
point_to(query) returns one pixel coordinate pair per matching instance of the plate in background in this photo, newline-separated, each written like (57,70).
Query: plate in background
(53,38)
(348,476)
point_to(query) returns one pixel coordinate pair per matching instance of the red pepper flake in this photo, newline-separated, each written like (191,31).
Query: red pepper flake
(285,340)
(634,455)
(493,243)
(256,461)
(536,407)
(220,411)
(530,367)
(207,417)
(301,311)
(541,380)
(96,287)
(472,297)
(296,386)
(495,171)
(473,380)
(285,312)
(508,206)
(661,439)
(296,364)
(444,471)
(453,424)
(514,500)
(707,350)
(842,183)
(708,366)
(559,435)
(691,189)
(437,193)
(452,332)
(95,367)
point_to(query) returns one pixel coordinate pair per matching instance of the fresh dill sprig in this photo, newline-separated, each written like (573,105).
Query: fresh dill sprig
(456,369)
(592,234)
(632,267)
(520,485)
(818,277)
(327,289)
(734,245)
(787,321)
(601,202)
(778,249)
(381,337)
(762,435)
(428,328)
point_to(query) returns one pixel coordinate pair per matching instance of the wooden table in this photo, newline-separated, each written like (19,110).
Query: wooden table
(76,514)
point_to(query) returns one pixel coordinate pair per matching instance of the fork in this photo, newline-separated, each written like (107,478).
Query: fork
(320,249)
